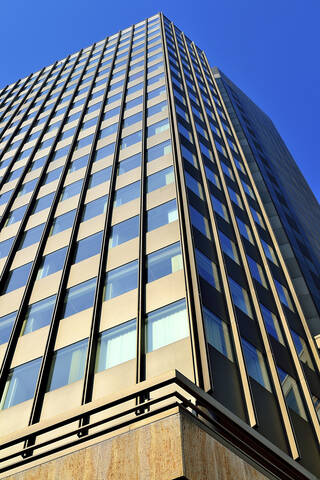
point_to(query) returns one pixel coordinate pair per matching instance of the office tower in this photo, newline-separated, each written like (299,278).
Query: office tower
(149,325)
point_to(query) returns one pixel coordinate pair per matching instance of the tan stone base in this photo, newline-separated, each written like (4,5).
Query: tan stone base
(172,448)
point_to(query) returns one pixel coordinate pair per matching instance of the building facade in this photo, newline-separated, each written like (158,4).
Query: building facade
(143,290)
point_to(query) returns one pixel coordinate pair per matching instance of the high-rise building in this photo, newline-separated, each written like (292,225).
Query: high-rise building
(155,312)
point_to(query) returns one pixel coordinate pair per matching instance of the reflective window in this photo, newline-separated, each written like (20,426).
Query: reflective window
(207,269)
(99,177)
(166,325)
(199,222)
(131,140)
(255,364)
(71,190)
(164,262)
(17,278)
(6,324)
(220,208)
(257,271)
(63,222)
(121,280)
(127,193)
(38,315)
(160,179)
(291,392)
(158,150)
(20,384)
(88,247)
(218,333)
(159,107)
(104,152)
(272,324)
(283,295)
(129,164)
(269,252)
(158,127)
(245,230)
(124,231)
(194,185)
(240,297)
(94,208)
(16,215)
(25,188)
(79,163)
(43,203)
(52,263)
(104,132)
(115,346)
(162,215)
(5,247)
(79,298)
(302,349)
(68,365)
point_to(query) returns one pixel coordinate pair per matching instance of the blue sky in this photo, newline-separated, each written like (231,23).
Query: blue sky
(269,48)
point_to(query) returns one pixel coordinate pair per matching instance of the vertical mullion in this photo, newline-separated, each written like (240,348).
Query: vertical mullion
(229,304)
(140,353)
(98,299)
(198,343)
(296,360)
(265,340)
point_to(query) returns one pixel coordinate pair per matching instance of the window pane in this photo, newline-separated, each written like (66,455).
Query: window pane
(255,364)
(283,295)
(79,298)
(272,324)
(220,208)
(160,179)
(71,190)
(302,349)
(291,392)
(99,177)
(121,280)
(162,215)
(158,150)
(199,222)
(88,247)
(130,140)
(104,152)
(207,269)
(16,215)
(17,278)
(31,236)
(240,297)
(129,164)
(158,127)
(164,262)
(127,193)
(218,333)
(38,315)
(115,346)
(79,163)
(124,231)
(166,325)
(68,365)
(63,222)
(51,263)
(5,247)
(229,247)
(6,324)
(94,208)
(245,230)
(257,271)
(20,384)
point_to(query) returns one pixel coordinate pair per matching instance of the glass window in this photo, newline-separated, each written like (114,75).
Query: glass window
(115,346)
(121,280)
(245,230)
(269,252)
(20,384)
(166,325)
(99,177)
(16,215)
(129,164)
(43,203)
(159,150)
(133,103)
(164,262)
(240,297)
(63,222)
(162,215)
(104,132)
(255,364)
(235,197)
(158,127)
(83,142)
(220,208)
(31,236)
(79,298)
(104,152)
(207,269)
(194,185)
(158,91)
(130,140)
(217,333)
(257,217)
(229,247)
(17,278)
(5,247)
(257,271)
(124,231)
(71,190)
(199,222)
(25,188)
(127,193)
(88,247)
(283,295)
(52,263)
(159,107)
(111,113)
(132,119)
(6,324)
(302,349)
(291,392)
(38,315)
(79,163)
(94,208)
(160,179)
(272,324)
(68,365)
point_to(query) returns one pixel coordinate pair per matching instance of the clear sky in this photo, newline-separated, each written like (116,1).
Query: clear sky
(269,48)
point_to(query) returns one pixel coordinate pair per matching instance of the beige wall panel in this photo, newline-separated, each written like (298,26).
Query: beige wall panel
(122,254)
(58,240)
(24,256)
(74,176)
(162,236)
(81,152)
(100,164)
(161,195)
(37,218)
(106,141)
(159,164)
(156,100)
(67,205)
(82,271)
(157,118)
(136,127)
(45,287)
(165,290)
(128,177)
(161,137)
(20,201)
(114,379)
(97,191)
(74,328)
(128,152)
(3,348)
(30,346)
(11,301)
(15,418)
(55,401)
(132,111)
(46,189)
(10,231)
(125,211)
(57,163)
(119,310)
(91,226)
(177,355)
